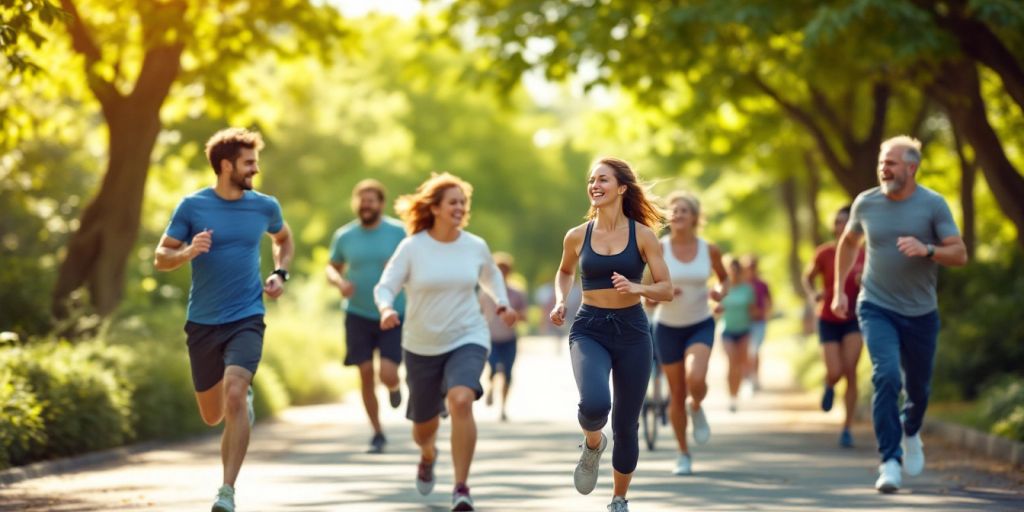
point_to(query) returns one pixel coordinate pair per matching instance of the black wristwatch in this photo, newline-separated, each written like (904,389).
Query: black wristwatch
(281,272)
(931,250)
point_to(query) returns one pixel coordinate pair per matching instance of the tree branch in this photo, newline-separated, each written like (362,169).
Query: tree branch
(83,43)
(822,105)
(881,92)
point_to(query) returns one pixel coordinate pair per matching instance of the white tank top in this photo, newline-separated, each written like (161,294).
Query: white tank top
(691,306)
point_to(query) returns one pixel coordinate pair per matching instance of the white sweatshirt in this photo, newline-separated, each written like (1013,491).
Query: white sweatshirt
(442,312)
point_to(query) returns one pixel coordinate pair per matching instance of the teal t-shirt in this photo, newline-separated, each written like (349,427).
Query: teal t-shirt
(736,306)
(226,282)
(364,253)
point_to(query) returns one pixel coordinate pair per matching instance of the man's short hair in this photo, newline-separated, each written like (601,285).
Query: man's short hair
(227,144)
(911,148)
(369,185)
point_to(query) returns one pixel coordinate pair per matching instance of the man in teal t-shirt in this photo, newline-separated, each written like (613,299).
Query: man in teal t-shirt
(359,251)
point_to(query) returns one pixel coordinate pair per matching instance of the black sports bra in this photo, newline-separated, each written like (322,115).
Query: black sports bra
(596,269)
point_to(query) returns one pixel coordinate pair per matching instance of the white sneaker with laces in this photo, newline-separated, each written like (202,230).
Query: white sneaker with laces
(889,476)
(701,429)
(225,499)
(585,475)
(684,465)
(913,454)
(618,504)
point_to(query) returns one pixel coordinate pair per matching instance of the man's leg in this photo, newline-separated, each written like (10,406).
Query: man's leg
(235,439)
(368,383)
(883,343)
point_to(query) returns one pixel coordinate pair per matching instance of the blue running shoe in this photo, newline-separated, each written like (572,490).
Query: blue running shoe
(827,398)
(846,439)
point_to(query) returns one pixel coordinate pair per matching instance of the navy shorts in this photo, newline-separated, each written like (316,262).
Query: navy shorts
(212,348)
(430,377)
(364,335)
(834,332)
(734,337)
(671,343)
(503,356)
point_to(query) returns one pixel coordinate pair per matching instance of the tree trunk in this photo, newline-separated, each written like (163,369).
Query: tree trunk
(813,187)
(789,195)
(956,87)
(969,174)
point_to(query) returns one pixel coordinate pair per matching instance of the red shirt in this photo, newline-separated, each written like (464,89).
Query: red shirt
(825,262)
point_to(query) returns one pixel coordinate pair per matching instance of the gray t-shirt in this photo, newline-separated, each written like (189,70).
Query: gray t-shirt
(891,280)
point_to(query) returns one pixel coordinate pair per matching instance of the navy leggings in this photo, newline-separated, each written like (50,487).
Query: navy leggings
(616,341)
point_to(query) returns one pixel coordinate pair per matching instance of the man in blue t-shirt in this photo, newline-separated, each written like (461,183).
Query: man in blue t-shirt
(359,251)
(218,229)
(909,232)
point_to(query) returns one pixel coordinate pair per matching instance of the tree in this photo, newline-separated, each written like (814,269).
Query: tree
(133,54)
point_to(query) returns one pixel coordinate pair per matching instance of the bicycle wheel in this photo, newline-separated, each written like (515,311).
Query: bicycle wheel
(650,424)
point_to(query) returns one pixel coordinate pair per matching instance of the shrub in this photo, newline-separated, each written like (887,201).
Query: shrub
(1002,404)
(21,422)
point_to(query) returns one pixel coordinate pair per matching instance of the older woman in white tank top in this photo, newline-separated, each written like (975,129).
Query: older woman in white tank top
(684,328)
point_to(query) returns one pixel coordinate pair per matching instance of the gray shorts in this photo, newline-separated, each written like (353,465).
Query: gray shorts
(430,377)
(211,348)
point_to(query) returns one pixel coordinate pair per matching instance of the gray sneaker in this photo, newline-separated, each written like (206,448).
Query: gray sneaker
(585,476)
(701,429)
(252,410)
(618,504)
(425,476)
(225,499)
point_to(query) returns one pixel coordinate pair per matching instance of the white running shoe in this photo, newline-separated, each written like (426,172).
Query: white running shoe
(585,475)
(701,429)
(225,499)
(618,504)
(889,476)
(913,454)
(684,465)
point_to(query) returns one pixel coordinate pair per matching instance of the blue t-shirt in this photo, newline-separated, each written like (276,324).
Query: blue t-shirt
(226,282)
(365,252)
(892,280)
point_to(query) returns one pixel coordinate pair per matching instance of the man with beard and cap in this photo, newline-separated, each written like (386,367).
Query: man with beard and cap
(218,230)
(909,232)
(359,251)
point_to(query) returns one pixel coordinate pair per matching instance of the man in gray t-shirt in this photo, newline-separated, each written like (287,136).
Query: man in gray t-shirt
(910,232)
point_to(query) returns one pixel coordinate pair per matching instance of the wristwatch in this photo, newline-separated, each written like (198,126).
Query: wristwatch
(281,272)
(931,250)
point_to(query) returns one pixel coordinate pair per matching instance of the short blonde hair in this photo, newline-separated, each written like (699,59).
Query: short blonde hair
(690,199)
(414,209)
(911,148)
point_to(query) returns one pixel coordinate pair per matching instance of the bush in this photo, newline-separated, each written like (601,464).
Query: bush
(21,421)
(1002,404)
(164,404)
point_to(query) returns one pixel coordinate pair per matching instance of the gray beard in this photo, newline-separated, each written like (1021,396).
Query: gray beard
(891,187)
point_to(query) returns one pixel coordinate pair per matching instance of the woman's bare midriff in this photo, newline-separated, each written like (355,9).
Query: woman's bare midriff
(610,298)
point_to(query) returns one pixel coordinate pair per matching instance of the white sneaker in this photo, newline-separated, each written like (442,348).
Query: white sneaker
(585,476)
(913,454)
(889,476)
(618,504)
(701,429)
(225,499)
(684,465)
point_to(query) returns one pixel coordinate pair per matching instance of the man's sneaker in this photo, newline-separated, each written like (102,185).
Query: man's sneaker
(225,499)
(461,499)
(846,439)
(618,504)
(585,476)
(913,454)
(395,397)
(827,398)
(684,465)
(252,410)
(889,477)
(377,443)
(425,476)
(701,429)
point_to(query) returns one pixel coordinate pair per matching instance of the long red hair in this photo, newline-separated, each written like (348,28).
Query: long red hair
(637,203)
(414,209)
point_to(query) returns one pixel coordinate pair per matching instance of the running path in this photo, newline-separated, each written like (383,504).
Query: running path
(776,453)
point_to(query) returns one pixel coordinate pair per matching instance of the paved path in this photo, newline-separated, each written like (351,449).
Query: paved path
(776,453)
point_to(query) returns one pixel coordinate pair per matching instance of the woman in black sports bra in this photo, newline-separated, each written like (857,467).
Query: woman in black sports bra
(610,333)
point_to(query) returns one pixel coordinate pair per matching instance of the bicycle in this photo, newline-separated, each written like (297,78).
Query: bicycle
(655,408)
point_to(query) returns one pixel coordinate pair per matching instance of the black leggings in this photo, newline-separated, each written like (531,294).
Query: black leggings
(616,341)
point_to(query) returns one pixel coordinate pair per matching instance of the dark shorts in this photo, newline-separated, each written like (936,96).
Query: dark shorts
(503,356)
(834,332)
(734,337)
(364,335)
(430,377)
(212,348)
(671,343)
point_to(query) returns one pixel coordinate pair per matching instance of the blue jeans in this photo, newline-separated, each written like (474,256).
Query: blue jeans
(897,341)
(617,342)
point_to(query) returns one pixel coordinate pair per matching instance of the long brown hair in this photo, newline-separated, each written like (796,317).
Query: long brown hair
(414,209)
(637,203)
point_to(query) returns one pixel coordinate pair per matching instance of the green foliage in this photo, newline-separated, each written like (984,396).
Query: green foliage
(163,405)
(19,20)
(1002,403)
(21,422)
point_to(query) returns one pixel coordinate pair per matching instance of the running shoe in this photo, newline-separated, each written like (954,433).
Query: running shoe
(377,443)
(846,439)
(249,405)
(618,504)
(684,465)
(461,500)
(425,476)
(701,429)
(734,404)
(913,454)
(444,411)
(827,398)
(585,476)
(889,477)
(395,397)
(489,398)
(225,499)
